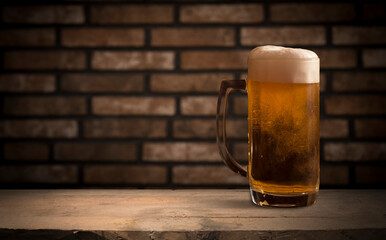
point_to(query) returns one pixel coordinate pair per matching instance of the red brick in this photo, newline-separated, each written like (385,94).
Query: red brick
(358,82)
(198,105)
(38,129)
(370,175)
(95,151)
(333,128)
(110,174)
(103,37)
(42,60)
(240,105)
(29,151)
(27,83)
(358,35)
(44,106)
(237,128)
(360,105)
(221,13)
(124,128)
(312,12)
(240,151)
(180,152)
(337,58)
(370,128)
(206,175)
(216,60)
(252,36)
(194,128)
(133,60)
(358,151)
(179,37)
(334,175)
(323,82)
(374,58)
(102,83)
(46,14)
(374,11)
(131,14)
(133,105)
(206,82)
(58,174)
(200,128)
(28,37)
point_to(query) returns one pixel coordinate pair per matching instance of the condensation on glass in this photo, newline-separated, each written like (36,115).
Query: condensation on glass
(283,126)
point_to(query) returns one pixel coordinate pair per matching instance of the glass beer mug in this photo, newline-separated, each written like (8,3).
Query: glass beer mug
(283,126)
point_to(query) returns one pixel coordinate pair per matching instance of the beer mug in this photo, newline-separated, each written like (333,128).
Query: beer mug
(283,126)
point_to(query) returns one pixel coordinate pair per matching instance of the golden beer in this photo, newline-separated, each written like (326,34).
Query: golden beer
(283,136)
(283,126)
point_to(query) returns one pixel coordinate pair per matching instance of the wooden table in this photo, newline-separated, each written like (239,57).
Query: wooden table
(186,214)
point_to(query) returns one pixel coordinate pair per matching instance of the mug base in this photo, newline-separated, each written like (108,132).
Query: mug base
(277,200)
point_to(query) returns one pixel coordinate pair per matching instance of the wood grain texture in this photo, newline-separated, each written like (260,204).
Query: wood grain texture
(186,211)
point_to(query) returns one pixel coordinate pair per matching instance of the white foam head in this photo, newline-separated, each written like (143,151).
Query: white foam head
(281,64)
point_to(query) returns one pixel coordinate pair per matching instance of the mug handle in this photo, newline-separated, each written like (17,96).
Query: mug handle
(226,87)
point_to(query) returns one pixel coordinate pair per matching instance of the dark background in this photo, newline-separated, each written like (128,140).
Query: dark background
(123,94)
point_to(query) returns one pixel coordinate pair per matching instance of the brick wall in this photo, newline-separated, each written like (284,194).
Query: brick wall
(115,94)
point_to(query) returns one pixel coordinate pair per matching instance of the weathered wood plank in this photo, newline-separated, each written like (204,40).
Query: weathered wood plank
(183,211)
(367,234)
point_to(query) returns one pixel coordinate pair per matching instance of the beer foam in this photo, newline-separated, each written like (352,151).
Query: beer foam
(281,64)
